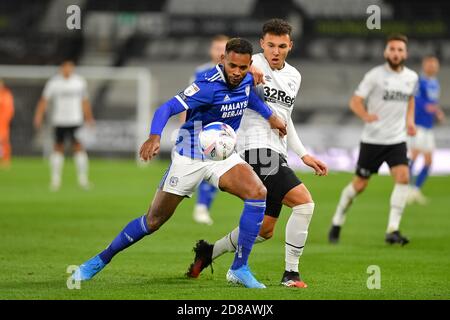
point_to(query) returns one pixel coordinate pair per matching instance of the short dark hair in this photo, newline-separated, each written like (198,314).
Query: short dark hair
(398,37)
(276,27)
(239,45)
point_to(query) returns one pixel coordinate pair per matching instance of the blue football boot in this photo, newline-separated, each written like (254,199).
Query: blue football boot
(88,269)
(244,276)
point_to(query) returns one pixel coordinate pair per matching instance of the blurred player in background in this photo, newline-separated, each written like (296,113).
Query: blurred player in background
(71,108)
(204,99)
(206,191)
(6,115)
(384,100)
(267,153)
(427,110)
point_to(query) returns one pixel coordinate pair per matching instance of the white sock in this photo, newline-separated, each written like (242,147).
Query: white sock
(56,165)
(296,234)
(82,164)
(398,202)
(347,196)
(229,243)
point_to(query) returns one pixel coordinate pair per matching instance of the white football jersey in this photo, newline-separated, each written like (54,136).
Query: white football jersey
(66,96)
(279,94)
(386,94)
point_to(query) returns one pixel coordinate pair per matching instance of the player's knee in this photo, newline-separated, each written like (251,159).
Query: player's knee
(259,192)
(401,176)
(360,185)
(77,147)
(153,223)
(402,179)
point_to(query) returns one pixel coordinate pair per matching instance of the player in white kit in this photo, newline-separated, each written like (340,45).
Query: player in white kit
(266,152)
(384,100)
(68,93)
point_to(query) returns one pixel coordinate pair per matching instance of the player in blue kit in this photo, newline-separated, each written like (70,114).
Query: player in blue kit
(206,192)
(222,95)
(427,110)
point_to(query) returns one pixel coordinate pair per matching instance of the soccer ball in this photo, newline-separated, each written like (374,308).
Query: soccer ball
(217,141)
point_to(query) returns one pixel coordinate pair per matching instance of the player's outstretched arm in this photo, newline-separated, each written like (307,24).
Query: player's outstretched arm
(163,113)
(150,148)
(296,145)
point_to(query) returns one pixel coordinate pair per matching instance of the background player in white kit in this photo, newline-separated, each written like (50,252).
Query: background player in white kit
(68,93)
(384,100)
(266,152)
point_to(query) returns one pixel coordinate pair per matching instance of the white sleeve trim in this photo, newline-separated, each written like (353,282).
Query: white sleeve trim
(182,102)
(294,142)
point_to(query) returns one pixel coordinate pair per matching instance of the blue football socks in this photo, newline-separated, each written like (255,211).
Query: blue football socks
(249,225)
(132,233)
(423,175)
(206,194)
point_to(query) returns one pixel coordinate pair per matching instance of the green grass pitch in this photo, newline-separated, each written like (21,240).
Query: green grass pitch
(42,233)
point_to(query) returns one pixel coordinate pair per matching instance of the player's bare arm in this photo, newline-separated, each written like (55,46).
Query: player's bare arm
(150,148)
(87,111)
(358,108)
(258,75)
(440,115)
(410,123)
(434,108)
(39,115)
(296,146)
(278,123)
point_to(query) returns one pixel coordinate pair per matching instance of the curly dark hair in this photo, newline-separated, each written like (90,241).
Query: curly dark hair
(239,45)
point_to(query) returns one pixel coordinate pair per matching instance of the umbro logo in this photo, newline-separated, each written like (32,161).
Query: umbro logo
(227,98)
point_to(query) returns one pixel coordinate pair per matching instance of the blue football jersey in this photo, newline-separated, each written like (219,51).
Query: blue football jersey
(428,93)
(210,99)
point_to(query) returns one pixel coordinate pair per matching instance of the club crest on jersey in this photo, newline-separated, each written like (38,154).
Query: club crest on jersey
(191,90)
(247,90)
(291,86)
(173,181)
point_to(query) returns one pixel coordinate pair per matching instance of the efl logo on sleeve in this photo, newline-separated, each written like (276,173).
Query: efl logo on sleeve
(191,90)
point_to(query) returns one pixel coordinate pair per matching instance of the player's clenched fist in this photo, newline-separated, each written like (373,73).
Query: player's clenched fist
(150,148)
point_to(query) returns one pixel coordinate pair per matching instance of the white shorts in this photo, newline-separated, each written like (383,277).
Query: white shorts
(185,174)
(423,140)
